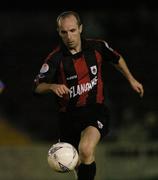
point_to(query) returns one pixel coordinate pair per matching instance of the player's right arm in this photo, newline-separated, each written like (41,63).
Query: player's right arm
(46,81)
(58,89)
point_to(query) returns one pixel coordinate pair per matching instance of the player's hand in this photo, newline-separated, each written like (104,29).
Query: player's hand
(59,89)
(138,87)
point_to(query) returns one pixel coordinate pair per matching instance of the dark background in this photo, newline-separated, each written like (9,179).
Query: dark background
(27,35)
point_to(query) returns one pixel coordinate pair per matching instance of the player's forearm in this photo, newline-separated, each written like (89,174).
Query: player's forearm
(122,67)
(43,88)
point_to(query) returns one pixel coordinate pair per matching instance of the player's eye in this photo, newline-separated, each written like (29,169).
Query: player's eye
(73,30)
(63,32)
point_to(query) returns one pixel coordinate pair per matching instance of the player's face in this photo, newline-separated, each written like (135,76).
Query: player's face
(70,31)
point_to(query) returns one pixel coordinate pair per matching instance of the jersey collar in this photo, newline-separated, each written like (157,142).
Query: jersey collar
(84,46)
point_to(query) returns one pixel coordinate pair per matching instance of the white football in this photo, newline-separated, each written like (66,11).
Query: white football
(62,157)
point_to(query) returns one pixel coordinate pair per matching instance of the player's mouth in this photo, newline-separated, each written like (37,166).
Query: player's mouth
(70,42)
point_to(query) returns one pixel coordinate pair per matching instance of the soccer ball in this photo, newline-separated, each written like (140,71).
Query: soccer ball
(62,157)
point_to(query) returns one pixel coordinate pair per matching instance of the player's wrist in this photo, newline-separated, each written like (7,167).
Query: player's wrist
(52,87)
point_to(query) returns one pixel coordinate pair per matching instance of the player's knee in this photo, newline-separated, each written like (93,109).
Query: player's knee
(85,152)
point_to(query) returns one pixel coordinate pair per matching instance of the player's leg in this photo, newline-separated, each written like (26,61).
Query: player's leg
(89,139)
(66,125)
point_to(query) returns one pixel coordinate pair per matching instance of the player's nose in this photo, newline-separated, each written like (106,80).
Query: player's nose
(69,36)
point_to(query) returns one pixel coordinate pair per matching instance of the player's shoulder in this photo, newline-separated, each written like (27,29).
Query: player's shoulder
(96,43)
(54,54)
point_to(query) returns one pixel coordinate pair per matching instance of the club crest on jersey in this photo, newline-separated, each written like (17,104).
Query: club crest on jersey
(93,70)
(44,68)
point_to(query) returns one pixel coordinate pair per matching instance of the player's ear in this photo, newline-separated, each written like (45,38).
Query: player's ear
(80,28)
(58,31)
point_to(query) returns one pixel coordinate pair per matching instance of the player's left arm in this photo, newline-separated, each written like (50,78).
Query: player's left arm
(110,55)
(123,68)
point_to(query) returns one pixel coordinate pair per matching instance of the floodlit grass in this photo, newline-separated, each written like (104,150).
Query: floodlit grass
(30,163)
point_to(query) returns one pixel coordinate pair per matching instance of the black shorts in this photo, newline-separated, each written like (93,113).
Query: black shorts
(73,122)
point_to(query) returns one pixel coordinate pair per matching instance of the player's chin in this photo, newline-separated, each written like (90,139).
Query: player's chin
(70,45)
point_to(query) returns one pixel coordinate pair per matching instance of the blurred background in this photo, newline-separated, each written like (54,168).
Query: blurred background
(29,123)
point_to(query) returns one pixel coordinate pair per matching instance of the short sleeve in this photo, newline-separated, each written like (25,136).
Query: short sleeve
(108,53)
(48,71)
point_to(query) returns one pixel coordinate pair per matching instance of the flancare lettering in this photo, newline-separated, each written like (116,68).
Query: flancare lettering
(82,88)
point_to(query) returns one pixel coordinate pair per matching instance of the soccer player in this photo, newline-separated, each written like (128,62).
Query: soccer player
(73,71)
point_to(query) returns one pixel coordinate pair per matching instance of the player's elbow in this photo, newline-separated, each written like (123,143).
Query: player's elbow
(36,88)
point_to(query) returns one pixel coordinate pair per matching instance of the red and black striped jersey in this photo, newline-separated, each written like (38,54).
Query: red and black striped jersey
(80,72)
